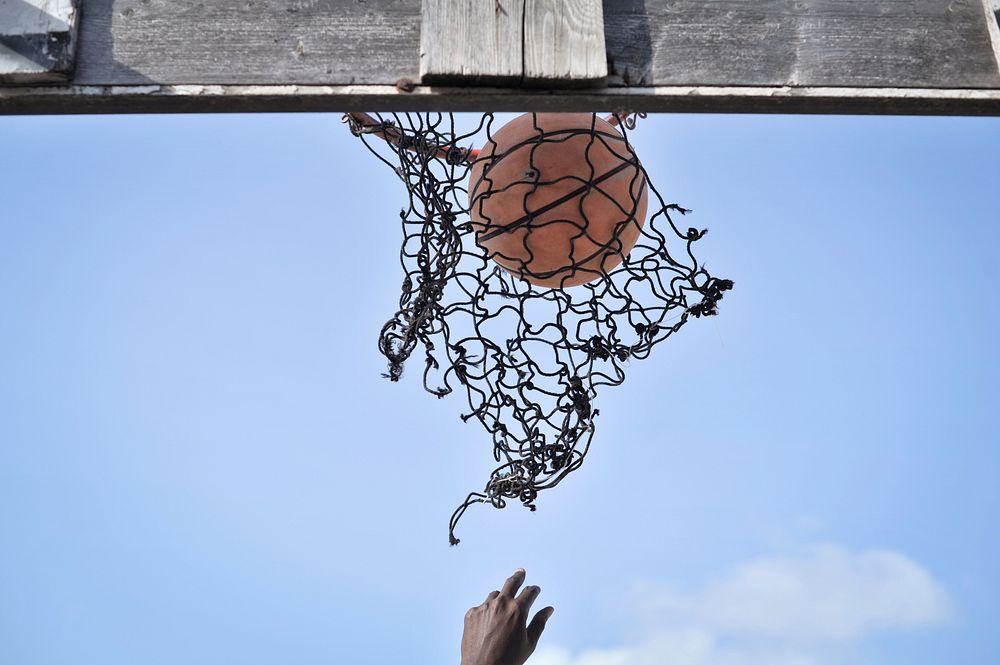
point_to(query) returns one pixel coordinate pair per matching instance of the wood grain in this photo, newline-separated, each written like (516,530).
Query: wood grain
(564,43)
(890,43)
(801,56)
(662,99)
(333,42)
(475,42)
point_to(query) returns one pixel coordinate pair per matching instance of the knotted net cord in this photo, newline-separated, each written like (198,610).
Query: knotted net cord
(528,359)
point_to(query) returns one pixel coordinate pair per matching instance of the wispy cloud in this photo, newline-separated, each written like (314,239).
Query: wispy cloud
(813,607)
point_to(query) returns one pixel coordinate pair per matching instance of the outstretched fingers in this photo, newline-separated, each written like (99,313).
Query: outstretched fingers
(495,632)
(537,625)
(513,583)
(527,597)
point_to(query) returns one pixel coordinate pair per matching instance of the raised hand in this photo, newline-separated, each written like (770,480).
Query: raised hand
(495,632)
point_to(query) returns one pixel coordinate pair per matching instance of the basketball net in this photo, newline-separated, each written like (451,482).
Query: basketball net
(528,359)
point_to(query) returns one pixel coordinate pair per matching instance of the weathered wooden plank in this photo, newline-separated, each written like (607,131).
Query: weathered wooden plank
(728,55)
(564,43)
(888,43)
(474,42)
(314,98)
(330,42)
(37,40)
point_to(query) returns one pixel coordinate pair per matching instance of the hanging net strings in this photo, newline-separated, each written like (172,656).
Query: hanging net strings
(529,358)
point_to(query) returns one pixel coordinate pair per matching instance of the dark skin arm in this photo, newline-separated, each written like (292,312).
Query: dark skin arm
(495,632)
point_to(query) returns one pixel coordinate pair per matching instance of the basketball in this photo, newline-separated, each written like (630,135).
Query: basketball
(557,199)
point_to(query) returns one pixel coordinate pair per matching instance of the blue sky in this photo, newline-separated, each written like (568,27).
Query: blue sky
(200,461)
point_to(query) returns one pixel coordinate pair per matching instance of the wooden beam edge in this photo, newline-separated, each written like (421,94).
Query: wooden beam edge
(61,100)
(57,49)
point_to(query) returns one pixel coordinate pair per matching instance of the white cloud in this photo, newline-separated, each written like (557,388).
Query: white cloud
(811,608)
(685,647)
(688,646)
(823,593)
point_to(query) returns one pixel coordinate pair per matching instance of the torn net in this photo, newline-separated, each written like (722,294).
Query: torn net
(528,359)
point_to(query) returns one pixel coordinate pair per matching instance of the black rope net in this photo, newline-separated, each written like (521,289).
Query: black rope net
(496,319)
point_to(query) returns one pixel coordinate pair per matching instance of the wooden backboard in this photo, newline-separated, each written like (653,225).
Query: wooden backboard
(782,56)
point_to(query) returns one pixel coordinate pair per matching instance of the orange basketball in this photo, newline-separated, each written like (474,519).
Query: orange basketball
(555,203)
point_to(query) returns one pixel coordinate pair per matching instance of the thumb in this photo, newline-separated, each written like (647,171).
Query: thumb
(537,625)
